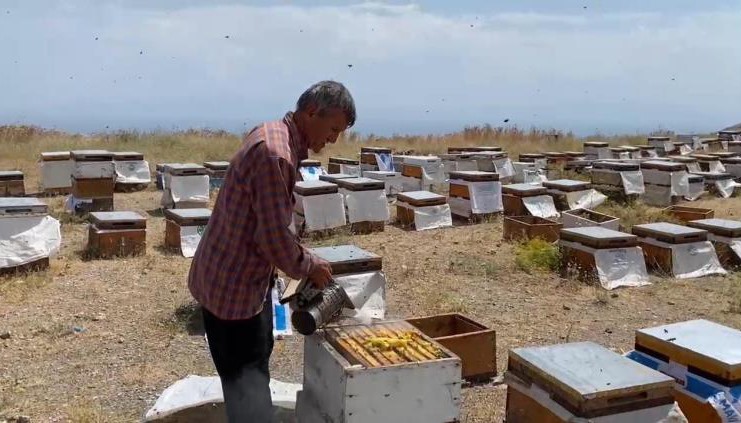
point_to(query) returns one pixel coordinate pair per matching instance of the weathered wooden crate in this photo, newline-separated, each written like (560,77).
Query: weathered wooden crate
(368,154)
(583,380)
(722,233)
(347,380)
(701,349)
(176,219)
(513,194)
(581,262)
(335,164)
(687,214)
(16,206)
(518,228)
(113,234)
(585,218)
(405,215)
(11,184)
(472,342)
(531,157)
(474,149)
(346,259)
(93,188)
(660,258)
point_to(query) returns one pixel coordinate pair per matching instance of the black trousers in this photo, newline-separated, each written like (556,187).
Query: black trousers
(241,350)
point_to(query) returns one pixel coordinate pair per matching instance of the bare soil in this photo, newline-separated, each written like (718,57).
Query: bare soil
(98,340)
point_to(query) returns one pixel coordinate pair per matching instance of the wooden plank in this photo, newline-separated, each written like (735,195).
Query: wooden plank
(350,350)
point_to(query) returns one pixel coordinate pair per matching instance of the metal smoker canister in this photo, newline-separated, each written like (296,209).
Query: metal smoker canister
(332,300)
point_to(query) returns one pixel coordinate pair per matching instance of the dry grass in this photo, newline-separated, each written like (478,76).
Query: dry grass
(140,324)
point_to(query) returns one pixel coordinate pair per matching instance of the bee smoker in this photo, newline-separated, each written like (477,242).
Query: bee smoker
(313,308)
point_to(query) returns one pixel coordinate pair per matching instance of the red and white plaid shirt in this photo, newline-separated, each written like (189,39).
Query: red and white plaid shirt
(249,233)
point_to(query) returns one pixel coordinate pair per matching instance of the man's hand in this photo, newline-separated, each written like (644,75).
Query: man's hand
(321,274)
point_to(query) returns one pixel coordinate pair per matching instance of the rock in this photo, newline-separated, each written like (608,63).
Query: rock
(99,317)
(23,419)
(671,303)
(565,307)
(608,331)
(615,295)
(5,335)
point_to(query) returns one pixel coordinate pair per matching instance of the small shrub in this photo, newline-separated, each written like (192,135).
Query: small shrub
(537,254)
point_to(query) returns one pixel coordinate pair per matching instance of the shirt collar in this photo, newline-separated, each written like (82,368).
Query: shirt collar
(299,144)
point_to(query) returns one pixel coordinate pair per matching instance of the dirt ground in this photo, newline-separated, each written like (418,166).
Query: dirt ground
(98,340)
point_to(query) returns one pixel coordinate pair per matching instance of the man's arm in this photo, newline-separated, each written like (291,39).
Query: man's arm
(274,211)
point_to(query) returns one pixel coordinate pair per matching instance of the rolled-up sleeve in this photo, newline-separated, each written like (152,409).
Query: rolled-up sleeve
(272,190)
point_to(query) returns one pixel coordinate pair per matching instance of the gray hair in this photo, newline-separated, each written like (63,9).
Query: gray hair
(328,95)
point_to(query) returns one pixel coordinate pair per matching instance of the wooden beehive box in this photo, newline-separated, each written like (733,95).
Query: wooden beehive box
(127,156)
(185,169)
(346,379)
(705,349)
(310,163)
(355,184)
(596,149)
(56,172)
(11,183)
(368,154)
(587,380)
(113,234)
(566,185)
(619,153)
(360,184)
(531,157)
(647,151)
(216,169)
(22,206)
(312,188)
(608,172)
(333,177)
(734,146)
(722,233)
(93,188)
(513,194)
(659,257)
(335,164)
(712,144)
(176,219)
(405,215)
(580,260)
(460,190)
(521,228)
(346,259)
(686,214)
(580,218)
(91,155)
(472,342)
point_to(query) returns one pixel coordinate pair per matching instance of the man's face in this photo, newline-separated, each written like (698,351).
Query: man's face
(324,128)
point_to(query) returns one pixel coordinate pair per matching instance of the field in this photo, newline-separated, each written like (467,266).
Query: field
(98,340)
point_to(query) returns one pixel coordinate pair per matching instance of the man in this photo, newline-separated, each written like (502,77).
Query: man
(250,236)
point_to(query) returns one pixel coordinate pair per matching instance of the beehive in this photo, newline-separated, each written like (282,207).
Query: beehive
(580,218)
(407,202)
(659,255)
(559,189)
(583,380)
(13,211)
(575,258)
(351,377)
(365,200)
(725,235)
(126,164)
(347,259)
(93,174)
(112,234)
(608,172)
(518,228)
(368,155)
(513,194)
(488,201)
(703,357)
(596,150)
(473,149)
(471,341)
(177,219)
(193,179)
(335,164)
(56,172)
(11,183)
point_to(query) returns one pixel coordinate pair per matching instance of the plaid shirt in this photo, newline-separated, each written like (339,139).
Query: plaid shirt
(250,232)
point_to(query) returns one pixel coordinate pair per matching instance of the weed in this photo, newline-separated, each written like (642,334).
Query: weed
(537,255)
(86,412)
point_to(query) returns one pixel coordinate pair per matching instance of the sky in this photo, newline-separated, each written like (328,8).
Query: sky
(424,67)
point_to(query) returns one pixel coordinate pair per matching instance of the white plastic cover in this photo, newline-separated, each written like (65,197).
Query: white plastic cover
(409,183)
(486,196)
(692,260)
(678,181)
(535,177)
(616,267)
(504,167)
(541,206)
(632,182)
(433,176)
(716,167)
(190,237)
(695,190)
(311,173)
(520,169)
(694,167)
(726,187)
(736,137)
(133,172)
(187,188)
(194,391)
(56,174)
(466,165)
(652,154)
(367,206)
(685,150)
(668,146)
(734,170)
(430,217)
(724,144)
(734,243)
(25,239)
(587,199)
(93,170)
(385,162)
(350,169)
(324,211)
(460,206)
(657,195)
(625,155)
(367,291)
